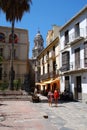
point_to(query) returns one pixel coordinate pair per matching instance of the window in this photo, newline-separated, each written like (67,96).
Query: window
(1,51)
(48,68)
(85,54)
(54,65)
(2,37)
(15,38)
(77,58)
(53,52)
(47,56)
(65,61)
(54,48)
(77,30)
(43,64)
(66,37)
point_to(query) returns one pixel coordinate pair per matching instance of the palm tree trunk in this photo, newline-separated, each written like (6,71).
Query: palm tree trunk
(12,74)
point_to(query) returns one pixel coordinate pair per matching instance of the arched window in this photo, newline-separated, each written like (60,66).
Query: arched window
(15,38)
(2,37)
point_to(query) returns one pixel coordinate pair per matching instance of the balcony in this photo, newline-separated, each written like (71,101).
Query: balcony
(54,74)
(75,37)
(49,75)
(75,66)
(78,64)
(65,67)
(45,76)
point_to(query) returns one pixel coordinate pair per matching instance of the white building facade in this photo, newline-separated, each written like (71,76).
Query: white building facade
(73,56)
(49,62)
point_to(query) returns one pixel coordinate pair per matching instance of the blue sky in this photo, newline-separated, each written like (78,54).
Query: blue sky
(45,13)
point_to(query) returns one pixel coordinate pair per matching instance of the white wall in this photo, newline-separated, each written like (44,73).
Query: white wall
(84,83)
(83,26)
(82,20)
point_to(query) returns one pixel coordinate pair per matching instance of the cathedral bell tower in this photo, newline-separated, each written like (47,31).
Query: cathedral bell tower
(38,45)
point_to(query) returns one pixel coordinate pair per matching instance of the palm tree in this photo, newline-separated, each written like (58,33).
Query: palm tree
(14,10)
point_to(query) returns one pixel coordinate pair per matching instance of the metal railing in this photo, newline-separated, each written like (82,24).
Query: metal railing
(74,65)
(76,34)
(73,36)
(52,74)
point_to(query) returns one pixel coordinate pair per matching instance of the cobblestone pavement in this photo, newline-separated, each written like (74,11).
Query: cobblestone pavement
(25,115)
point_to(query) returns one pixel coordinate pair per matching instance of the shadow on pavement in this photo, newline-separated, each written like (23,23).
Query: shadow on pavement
(44,101)
(58,106)
(3,104)
(59,101)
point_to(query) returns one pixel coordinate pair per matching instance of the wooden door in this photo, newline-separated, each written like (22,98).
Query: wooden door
(78,88)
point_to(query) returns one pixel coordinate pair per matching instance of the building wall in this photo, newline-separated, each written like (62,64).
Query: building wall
(83,29)
(49,62)
(52,34)
(71,46)
(21,52)
(83,85)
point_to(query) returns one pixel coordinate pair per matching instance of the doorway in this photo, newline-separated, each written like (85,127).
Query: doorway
(67,86)
(78,88)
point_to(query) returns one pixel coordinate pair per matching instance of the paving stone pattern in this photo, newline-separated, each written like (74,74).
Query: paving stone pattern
(25,115)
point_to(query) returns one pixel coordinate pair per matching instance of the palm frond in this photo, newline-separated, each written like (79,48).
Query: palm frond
(15,9)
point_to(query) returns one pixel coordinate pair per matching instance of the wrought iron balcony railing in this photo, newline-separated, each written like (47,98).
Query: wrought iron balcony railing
(74,36)
(52,74)
(78,64)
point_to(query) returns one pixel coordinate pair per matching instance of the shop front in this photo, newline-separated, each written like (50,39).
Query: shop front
(49,85)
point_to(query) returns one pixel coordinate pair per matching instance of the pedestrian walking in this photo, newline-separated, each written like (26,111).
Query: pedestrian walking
(50,98)
(56,96)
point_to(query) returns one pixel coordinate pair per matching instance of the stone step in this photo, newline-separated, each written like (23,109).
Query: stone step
(16,97)
(9,92)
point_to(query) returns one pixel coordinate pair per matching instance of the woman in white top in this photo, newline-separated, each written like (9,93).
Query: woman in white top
(50,98)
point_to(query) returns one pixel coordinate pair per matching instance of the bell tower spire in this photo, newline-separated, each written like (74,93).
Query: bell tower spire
(38,45)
